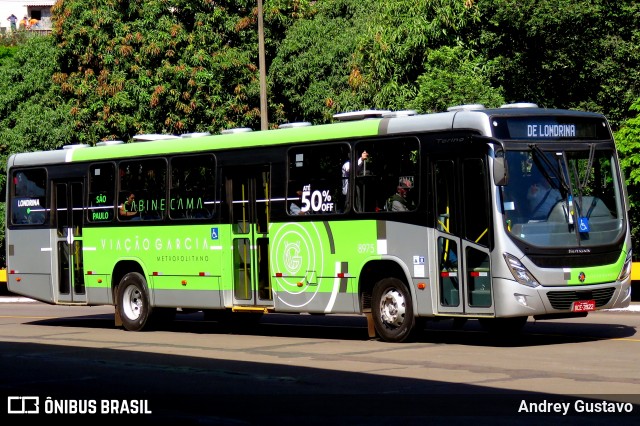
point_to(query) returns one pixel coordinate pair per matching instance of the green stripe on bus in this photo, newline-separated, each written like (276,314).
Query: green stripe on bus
(597,274)
(237,140)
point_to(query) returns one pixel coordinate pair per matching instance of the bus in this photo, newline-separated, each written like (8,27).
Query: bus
(395,216)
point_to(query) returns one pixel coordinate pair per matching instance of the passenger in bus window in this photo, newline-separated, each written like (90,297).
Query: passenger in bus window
(361,169)
(295,206)
(541,198)
(128,208)
(398,202)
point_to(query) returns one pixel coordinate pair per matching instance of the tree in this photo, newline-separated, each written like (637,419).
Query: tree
(163,66)
(564,53)
(453,76)
(358,54)
(33,115)
(627,140)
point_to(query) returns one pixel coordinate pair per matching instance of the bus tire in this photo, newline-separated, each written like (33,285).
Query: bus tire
(133,302)
(392,310)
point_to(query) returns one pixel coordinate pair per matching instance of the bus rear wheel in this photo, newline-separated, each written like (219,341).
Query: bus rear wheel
(133,302)
(392,310)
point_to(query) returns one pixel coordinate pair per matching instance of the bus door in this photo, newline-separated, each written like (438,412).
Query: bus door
(68,198)
(247,195)
(462,236)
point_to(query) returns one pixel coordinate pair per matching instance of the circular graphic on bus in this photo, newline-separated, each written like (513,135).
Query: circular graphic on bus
(297,261)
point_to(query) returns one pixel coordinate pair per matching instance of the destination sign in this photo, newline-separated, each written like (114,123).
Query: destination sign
(101,208)
(551,130)
(548,128)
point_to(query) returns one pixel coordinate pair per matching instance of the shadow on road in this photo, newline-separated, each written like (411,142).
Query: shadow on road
(180,390)
(353,327)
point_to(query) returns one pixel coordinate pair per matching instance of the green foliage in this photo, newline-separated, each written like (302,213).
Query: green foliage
(139,67)
(6,52)
(308,74)
(13,39)
(166,66)
(32,114)
(357,54)
(627,140)
(453,76)
(565,53)
(628,143)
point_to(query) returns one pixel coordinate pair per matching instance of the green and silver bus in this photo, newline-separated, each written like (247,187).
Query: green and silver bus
(396,216)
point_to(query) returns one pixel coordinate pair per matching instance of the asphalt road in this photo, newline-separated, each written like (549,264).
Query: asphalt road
(306,370)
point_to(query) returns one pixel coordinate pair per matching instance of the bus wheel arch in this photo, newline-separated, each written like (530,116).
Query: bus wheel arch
(372,273)
(121,269)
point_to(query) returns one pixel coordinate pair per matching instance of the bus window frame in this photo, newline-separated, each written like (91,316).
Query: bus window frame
(142,187)
(90,194)
(46,196)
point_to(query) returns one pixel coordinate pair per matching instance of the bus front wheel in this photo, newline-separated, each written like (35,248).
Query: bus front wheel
(133,302)
(392,310)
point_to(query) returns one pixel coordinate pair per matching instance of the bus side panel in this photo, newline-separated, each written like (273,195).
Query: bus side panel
(100,254)
(315,265)
(194,292)
(175,259)
(98,292)
(410,245)
(33,286)
(30,252)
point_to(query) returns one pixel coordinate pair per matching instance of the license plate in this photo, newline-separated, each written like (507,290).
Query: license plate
(583,306)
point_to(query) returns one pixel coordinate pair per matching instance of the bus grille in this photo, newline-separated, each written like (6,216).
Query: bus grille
(574,261)
(562,300)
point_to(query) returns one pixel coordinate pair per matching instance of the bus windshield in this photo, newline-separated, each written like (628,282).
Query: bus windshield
(563,197)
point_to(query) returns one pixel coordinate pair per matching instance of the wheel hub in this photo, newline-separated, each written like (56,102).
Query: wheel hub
(392,308)
(132,303)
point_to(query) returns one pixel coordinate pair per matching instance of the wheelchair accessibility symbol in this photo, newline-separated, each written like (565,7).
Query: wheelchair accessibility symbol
(583,224)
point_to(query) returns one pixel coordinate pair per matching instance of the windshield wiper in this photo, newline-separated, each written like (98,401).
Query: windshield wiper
(544,165)
(563,185)
(587,172)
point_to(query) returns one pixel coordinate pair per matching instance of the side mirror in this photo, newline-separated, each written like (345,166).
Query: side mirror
(500,169)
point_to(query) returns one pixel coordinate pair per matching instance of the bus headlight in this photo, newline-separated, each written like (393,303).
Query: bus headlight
(519,272)
(626,268)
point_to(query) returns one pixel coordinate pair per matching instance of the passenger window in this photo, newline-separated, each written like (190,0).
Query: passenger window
(316,179)
(192,193)
(28,204)
(146,179)
(476,206)
(386,176)
(102,179)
